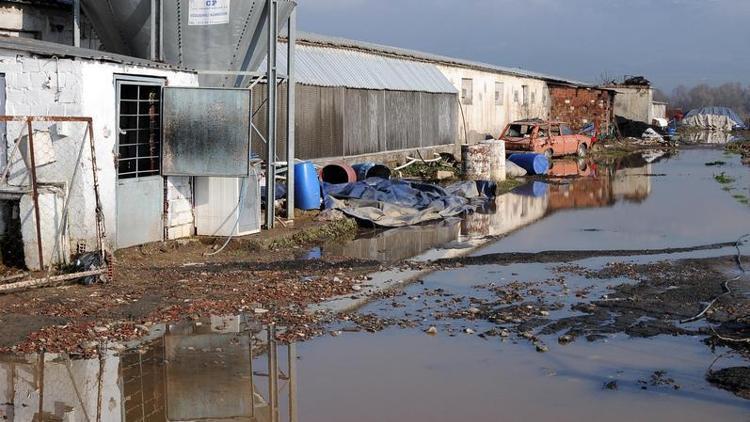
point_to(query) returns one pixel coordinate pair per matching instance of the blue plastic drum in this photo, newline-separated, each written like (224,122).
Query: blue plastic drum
(306,187)
(532,163)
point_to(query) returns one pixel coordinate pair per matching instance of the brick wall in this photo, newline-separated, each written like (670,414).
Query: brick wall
(581,106)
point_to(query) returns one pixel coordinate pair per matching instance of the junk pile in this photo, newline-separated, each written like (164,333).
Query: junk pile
(387,203)
(641,133)
(715,118)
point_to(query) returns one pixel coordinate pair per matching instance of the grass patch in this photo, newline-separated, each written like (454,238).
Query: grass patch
(723,178)
(508,185)
(742,199)
(738,148)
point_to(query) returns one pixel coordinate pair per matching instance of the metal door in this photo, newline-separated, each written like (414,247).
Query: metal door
(140,186)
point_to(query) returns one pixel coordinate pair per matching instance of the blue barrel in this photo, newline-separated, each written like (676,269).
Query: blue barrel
(532,163)
(368,170)
(306,187)
(534,189)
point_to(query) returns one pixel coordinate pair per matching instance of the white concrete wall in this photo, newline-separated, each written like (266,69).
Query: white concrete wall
(634,103)
(42,86)
(484,116)
(20,392)
(659,110)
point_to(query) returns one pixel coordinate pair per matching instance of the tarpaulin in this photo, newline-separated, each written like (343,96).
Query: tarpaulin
(715,118)
(388,203)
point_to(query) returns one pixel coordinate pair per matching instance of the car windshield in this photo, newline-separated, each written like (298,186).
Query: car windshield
(519,131)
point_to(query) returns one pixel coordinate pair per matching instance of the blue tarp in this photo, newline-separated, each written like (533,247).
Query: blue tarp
(389,203)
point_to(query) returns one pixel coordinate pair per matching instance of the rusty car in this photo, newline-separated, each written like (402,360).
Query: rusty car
(551,138)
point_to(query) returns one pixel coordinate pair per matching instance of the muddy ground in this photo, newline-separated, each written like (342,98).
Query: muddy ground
(262,275)
(639,300)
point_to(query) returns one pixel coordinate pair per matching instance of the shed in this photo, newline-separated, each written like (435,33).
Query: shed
(353,103)
(121,95)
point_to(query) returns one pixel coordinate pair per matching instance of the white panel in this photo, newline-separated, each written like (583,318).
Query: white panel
(216,206)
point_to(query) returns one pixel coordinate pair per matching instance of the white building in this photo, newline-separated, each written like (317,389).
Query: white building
(121,94)
(490,96)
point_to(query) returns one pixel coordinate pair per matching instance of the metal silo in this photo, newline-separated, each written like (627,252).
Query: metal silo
(206,35)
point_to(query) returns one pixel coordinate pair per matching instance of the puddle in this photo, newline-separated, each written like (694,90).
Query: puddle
(673,203)
(715,137)
(407,375)
(218,369)
(196,371)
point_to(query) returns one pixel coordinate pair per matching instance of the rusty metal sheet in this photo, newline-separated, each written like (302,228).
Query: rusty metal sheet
(206,132)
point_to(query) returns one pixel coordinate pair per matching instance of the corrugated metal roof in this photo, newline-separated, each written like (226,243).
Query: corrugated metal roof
(323,40)
(48,49)
(335,67)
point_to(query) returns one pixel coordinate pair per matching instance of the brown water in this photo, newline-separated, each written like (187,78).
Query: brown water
(206,370)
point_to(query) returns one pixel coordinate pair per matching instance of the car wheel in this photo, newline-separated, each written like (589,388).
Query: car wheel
(582,149)
(548,153)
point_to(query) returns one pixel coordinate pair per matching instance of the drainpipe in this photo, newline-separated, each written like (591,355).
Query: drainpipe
(76,23)
(291,86)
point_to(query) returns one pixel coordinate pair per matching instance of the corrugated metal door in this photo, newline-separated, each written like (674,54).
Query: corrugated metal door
(140,186)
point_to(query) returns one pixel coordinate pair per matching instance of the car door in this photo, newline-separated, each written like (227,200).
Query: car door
(570,141)
(555,139)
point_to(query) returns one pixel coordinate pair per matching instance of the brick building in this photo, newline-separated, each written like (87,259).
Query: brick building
(580,106)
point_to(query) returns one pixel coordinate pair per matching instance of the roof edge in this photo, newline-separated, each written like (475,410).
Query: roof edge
(329,41)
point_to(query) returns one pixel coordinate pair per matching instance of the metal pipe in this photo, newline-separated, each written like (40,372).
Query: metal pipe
(41,385)
(35,194)
(101,230)
(76,23)
(275,347)
(161,30)
(252,376)
(291,101)
(272,19)
(292,361)
(153,30)
(272,387)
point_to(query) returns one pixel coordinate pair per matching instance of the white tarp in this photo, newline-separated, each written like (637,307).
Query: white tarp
(714,118)
(208,12)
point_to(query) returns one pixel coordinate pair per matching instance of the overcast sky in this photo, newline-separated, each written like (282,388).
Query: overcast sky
(671,42)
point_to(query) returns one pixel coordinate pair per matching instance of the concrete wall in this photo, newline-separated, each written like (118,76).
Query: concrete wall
(634,103)
(46,23)
(659,110)
(484,116)
(66,87)
(20,389)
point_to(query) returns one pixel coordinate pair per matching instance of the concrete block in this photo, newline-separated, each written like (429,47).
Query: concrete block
(444,174)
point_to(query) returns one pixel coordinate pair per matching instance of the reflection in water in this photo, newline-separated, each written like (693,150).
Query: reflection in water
(536,200)
(397,244)
(709,137)
(197,371)
(589,186)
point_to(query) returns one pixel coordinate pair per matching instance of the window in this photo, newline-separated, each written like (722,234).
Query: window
(519,131)
(533,98)
(139,138)
(565,129)
(467,91)
(525,94)
(499,93)
(515,97)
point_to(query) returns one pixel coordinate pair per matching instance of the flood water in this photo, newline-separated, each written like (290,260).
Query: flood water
(218,369)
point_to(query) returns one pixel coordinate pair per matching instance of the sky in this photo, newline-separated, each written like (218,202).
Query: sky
(671,42)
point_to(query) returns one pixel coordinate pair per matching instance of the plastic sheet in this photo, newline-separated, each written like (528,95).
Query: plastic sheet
(388,203)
